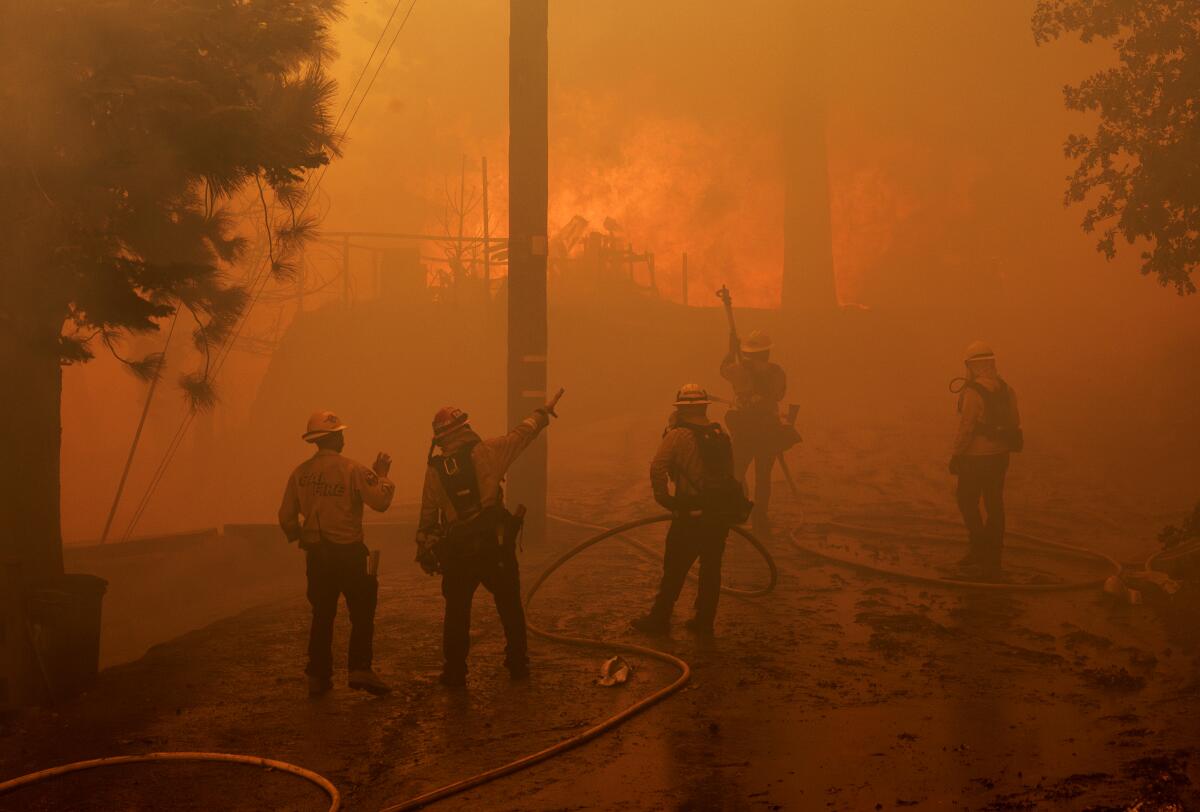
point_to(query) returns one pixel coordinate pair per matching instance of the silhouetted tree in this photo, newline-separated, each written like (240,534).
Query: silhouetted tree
(1139,172)
(127,125)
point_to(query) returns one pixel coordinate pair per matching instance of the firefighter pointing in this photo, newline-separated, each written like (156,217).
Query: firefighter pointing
(468,535)
(322,509)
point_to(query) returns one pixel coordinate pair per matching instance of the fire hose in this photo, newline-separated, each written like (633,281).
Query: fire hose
(685,671)
(335,798)
(1069,550)
(505,769)
(617,719)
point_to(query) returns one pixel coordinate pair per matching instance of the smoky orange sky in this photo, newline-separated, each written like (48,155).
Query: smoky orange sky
(944,126)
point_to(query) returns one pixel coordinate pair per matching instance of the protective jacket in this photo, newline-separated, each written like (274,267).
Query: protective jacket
(324,499)
(491,460)
(971,440)
(758,386)
(680,460)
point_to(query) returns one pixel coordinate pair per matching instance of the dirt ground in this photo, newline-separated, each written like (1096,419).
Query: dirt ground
(841,690)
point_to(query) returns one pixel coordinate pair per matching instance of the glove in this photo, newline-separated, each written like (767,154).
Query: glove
(427,558)
(955,465)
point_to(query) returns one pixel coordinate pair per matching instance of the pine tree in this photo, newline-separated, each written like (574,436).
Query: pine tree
(129,127)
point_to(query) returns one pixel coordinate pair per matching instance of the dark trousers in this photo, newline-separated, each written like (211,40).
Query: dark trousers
(496,569)
(335,570)
(982,479)
(749,448)
(690,538)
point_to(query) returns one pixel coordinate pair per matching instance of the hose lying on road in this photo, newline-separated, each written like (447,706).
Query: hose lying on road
(954,583)
(335,798)
(465,784)
(611,722)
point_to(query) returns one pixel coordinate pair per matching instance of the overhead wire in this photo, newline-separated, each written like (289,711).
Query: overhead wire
(264,272)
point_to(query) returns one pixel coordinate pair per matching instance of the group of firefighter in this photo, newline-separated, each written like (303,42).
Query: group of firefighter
(468,536)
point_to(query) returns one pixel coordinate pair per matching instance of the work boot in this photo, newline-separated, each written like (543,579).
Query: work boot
(453,679)
(649,624)
(319,686)
(367,680)
(699,628)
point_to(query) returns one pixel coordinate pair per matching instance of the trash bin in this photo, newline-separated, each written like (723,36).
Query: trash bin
(64,624)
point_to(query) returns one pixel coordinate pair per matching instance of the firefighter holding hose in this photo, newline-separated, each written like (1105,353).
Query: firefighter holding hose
(697,456)
(468,535)
(760,435)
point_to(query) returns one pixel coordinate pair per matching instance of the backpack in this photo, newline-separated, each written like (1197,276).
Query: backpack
(721,497)
(999,422)
(457,473)
(475,531)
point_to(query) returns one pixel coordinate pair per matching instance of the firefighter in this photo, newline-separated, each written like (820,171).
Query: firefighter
(989,430)
(467,534)
(759,434)
(322,509)
(696,455)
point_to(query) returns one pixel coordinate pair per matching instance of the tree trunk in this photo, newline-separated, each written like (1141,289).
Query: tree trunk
(809,283)
(30,420)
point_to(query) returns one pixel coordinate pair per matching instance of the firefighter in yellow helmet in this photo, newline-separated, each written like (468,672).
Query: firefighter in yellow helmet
(759,433)
(322,509)
(695,455)
(466,533)
(989,430)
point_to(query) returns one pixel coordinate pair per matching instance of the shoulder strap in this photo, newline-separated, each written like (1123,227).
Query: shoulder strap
(716,451)
(457,474)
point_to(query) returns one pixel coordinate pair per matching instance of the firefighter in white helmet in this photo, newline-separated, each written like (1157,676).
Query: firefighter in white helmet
(989,429)
(322,509)
(466,533)
(697,456)
(759,433)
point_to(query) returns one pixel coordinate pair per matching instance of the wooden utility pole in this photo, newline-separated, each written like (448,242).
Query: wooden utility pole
(685,279)
(346,270)
(528,193)
(487,242)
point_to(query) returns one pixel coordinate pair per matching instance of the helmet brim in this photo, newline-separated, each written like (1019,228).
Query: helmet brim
(310,436)
(443,433)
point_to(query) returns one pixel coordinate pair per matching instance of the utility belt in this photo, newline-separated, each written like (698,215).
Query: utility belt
(762,424)
(324,547)
(493,530)
(725,503)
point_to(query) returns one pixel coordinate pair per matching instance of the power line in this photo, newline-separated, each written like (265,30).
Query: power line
(264,273)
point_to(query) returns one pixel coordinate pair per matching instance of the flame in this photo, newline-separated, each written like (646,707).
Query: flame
(676,185)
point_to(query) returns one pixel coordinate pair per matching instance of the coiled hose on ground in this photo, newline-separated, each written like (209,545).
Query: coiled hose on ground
(954,583)
(504,769)
(641,705)
(685,671)
(335,798)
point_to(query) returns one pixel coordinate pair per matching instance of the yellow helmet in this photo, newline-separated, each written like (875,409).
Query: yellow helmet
(978,351)
(757,341)
(692,394)
(321,424)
